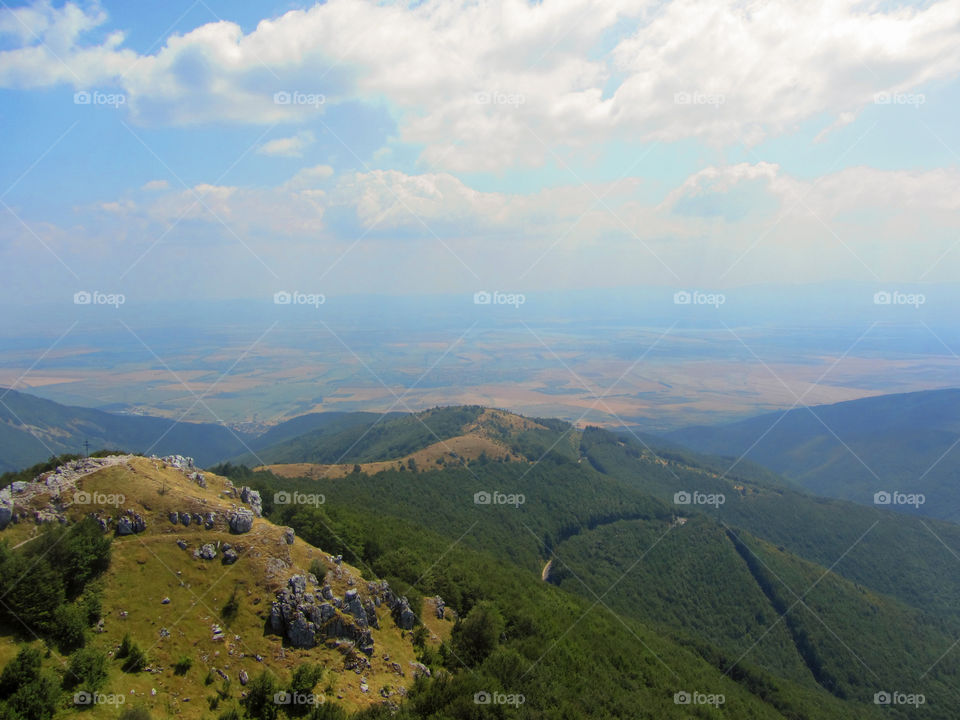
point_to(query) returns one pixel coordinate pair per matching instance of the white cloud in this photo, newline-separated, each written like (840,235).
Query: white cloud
(155,185)
(501,84)
(289,146)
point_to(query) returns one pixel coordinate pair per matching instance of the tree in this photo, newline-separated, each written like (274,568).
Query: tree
(87,670)
(70,626)
(479,633)
(260,702)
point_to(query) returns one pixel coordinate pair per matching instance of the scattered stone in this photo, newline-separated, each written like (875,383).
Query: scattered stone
(182,544)
(165,601)
(244,678)
(419,669)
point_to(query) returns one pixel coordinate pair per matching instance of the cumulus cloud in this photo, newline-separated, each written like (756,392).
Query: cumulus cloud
(289,146)
(500,84)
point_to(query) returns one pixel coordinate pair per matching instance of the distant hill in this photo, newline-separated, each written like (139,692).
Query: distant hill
(32,429)
(906,442)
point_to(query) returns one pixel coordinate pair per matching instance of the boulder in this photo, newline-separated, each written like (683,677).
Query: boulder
(207,551)
(241,521)
(6,515)
(174,517)
(288,535)
(230,556)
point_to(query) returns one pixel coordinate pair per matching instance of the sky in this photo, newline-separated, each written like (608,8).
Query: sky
(226,149)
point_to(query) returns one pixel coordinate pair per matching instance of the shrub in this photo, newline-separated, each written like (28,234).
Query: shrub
(260,697)
(134,658)
(318,569)
(70,624)
(182,666)
(87,670)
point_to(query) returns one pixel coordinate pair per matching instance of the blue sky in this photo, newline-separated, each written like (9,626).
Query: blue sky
(445,146)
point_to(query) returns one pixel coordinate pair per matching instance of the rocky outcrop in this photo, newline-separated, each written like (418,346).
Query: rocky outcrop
(206,552)
(131,523)
(304,621)
(252,498)
(241,521)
